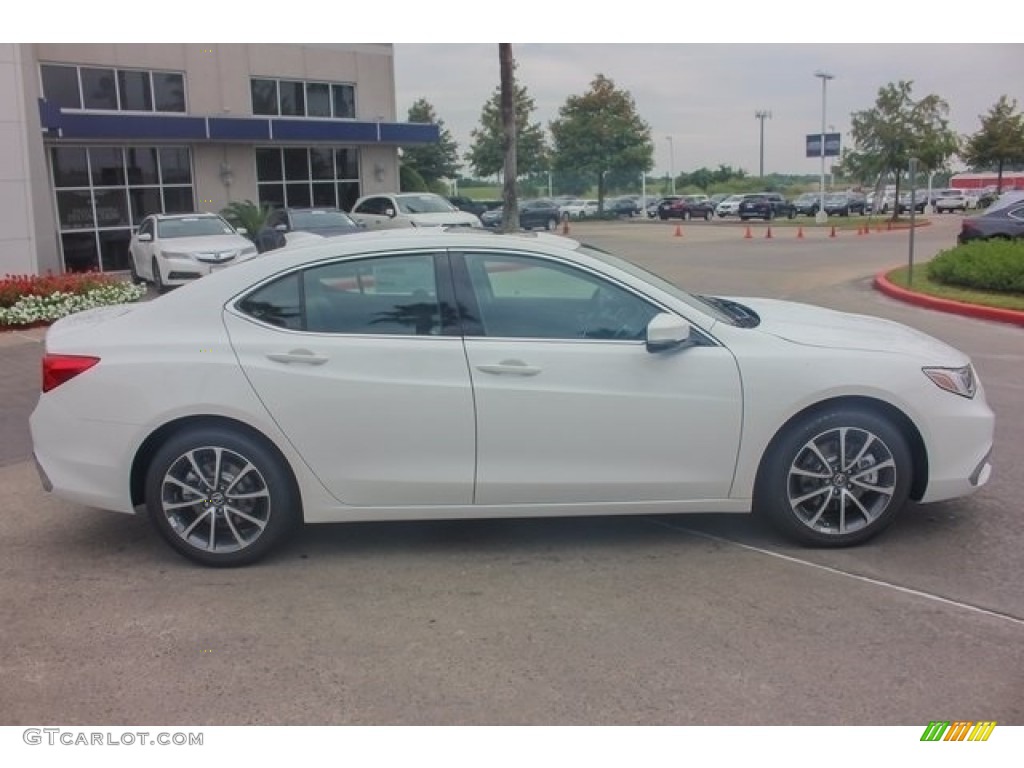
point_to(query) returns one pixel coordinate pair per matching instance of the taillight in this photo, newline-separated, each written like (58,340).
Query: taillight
(60,368)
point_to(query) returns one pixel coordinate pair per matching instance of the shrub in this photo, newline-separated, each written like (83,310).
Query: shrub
(990,265)
(32,299)
(248,215)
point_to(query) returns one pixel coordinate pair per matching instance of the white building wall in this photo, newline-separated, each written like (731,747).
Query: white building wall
(17,231)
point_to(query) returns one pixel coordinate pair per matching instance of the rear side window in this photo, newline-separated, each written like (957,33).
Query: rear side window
(278,303)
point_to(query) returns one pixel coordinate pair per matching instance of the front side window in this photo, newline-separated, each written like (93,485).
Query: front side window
(526,297)
(278,303)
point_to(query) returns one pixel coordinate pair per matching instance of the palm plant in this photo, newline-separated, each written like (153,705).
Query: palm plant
(247,215)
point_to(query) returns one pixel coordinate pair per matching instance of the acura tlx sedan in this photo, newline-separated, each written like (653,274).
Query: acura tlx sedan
(428,374)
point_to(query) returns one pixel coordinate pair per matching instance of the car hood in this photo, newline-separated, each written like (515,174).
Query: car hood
(818,327)
(442,219)
(205,244)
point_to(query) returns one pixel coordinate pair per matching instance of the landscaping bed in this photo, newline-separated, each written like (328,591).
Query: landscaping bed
(27,301)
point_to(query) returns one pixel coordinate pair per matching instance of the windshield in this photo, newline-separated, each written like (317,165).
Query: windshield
(190,226)
(424,204)
(704,305)
(322,220)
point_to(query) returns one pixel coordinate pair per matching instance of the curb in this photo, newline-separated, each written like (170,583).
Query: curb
(995,314)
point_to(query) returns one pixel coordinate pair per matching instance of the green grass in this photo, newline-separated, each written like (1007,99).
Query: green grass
(923,284)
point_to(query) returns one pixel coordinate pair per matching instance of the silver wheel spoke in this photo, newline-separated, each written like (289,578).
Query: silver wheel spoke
(200,492)
(863,510)
(808,473)
(244,471)
(195,468)
(182,504)
(861,452)
(817,515)
(234,531)
(213,533)
(197,521)
(821,457)
(261,524)
(218,452)
(252,495)
(842,511)
(869,487)
(873,468)
(842,447)
(800,500)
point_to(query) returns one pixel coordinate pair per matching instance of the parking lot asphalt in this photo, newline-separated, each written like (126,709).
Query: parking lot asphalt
(648,620)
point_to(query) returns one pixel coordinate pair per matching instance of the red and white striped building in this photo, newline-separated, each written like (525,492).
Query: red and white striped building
(1011,180)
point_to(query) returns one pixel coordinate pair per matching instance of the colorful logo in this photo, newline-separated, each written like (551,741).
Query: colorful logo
(958,730)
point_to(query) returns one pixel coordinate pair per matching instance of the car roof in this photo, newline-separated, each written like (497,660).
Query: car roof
(173,216)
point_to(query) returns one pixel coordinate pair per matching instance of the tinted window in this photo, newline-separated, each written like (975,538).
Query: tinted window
(318,100)
(98,88)
(344,97)
(292,98)
(374,205)
(264,97)
(60,86)
(169,92)
(278,303)
(70,167)
(133,86)
(522,297)
(390,295)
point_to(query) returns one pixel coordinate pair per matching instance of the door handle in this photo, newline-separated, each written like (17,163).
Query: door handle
(297,356)
(513,367)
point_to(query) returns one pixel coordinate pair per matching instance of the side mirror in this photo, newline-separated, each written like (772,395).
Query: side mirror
(145,237)
(389,212)
(666,331)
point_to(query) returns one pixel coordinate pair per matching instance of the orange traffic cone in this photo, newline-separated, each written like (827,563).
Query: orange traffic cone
(833,232)
(747,236)
(888,226)
(867,229)
(800,233)
(565,226)
(768,233)
(679,230)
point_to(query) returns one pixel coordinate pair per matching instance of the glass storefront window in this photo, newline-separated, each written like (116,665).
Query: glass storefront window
(80,251)
(268,165)
(178,200)
(318,100)
(142,168)
(324,177)
(175,165)
(344,100)
(107,166)
(264,96)
(296,164)
(70,167)
(114,254)
(293,100)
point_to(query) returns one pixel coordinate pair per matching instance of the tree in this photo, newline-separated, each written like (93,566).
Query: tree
(250,216)
(507,89)
(600,133)
(1000,142)
(896,129)
(431,161)
(487,153)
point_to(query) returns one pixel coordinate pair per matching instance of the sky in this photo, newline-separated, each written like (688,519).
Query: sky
(705,96)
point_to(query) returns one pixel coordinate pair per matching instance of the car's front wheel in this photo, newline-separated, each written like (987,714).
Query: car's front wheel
(220,497)
(708,215)
(552,225)
(136,278)
(158,278)
(835,477)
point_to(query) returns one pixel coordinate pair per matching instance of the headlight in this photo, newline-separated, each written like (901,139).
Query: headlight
(959,381)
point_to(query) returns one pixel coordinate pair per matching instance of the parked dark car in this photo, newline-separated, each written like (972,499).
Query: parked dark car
(1003,220)
(844,204)
(468,205)
(622,206)
(325,222)
(807,204)
(920,201)
(686,207)
(766,205)
(533,214)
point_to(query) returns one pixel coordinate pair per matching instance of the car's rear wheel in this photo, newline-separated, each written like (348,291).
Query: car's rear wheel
(158,279)
(708,215)
(220,497)
(552,225)
(836,477)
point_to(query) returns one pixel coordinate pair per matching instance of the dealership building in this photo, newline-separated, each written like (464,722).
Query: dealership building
(95,137)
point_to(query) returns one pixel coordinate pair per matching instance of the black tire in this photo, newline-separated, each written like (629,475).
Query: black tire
(663,216)
(685,216)
(792,214)
(136,278)
(792,478)
(551,225)
(264,512)
(770,216)
(708,215)
(158,280)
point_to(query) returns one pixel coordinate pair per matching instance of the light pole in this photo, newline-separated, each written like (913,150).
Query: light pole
(761,114)
(671,162)
(821,217)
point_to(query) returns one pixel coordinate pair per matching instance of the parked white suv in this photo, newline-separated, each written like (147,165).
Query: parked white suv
(410,209)
(951,200)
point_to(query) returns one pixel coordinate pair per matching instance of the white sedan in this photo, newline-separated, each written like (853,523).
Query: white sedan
(429,374)
(174,249)
(410,209)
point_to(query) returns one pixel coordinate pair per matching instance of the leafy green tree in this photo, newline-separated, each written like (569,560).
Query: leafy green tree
(431,161)
(1000,142)
(599,133)
(896,129)
(248,215)
(409,180)
(487,151)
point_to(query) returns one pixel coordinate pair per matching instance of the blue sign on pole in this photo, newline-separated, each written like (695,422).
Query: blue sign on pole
(832,144)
